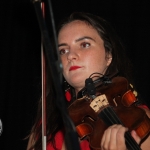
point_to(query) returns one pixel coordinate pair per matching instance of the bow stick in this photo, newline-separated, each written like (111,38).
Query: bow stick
(71,138)
(43,66)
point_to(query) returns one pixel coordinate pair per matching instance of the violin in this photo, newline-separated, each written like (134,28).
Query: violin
(113,103)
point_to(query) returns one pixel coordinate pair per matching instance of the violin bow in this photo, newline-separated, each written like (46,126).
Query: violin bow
(43,70)
(71,137)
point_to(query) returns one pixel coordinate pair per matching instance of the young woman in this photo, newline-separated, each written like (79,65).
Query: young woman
(87,44)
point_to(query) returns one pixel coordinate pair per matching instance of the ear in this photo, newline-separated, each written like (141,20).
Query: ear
(109,58)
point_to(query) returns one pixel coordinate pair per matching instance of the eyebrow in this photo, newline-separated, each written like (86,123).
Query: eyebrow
(77,40)
(84,38)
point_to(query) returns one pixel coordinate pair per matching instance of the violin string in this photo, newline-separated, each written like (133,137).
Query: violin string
(110,117)
(128,137)
(130,141)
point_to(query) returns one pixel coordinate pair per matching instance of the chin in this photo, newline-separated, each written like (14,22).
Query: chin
(77,83)
(76,79)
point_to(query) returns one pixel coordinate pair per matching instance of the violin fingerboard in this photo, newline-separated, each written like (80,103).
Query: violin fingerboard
(109,116)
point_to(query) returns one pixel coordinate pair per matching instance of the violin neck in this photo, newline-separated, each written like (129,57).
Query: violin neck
(109,116)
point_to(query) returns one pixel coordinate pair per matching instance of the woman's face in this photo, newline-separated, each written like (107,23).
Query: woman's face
(82,53)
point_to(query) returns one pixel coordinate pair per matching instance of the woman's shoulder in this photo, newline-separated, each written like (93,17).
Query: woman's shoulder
(59,139)
(60,143)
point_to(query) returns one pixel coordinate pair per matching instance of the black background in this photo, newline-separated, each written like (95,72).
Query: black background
(20,62)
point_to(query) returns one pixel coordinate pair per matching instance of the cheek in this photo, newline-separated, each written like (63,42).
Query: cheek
(64,62)
(92,64)
(96,63)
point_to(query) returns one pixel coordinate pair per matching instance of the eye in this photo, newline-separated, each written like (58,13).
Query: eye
(63,51)
(85,45)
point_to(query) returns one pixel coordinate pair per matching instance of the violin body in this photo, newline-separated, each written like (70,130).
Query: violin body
(114,103)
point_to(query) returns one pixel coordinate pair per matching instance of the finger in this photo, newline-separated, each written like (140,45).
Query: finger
(120,138)
(105,143)
(106,138)
(113,138)
(113,142)
(117,140)
(135,136)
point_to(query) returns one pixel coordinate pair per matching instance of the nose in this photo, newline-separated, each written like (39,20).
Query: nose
(72,55)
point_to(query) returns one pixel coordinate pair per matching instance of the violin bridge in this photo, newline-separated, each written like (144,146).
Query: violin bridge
(99,102)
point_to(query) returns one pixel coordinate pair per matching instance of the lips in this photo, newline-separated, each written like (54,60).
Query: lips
(74,68)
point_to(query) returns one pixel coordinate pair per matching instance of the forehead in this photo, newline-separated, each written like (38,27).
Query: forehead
(77,28)
(77,23)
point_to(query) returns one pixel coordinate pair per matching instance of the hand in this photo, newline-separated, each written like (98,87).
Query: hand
(113,138)
(135,136)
